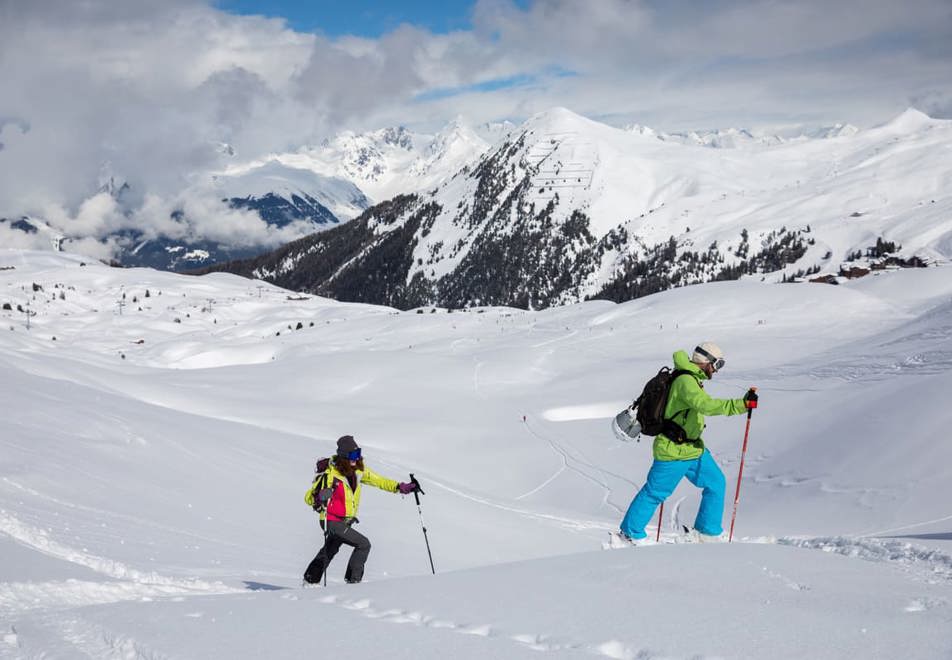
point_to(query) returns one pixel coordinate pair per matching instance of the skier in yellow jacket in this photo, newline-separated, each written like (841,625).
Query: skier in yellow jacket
(338,493)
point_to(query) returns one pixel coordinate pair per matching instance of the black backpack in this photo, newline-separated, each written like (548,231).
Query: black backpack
(652,402)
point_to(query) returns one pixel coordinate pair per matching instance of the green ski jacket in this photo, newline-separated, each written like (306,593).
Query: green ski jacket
(688,403)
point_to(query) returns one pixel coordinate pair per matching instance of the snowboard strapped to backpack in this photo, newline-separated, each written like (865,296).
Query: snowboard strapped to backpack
(645,416)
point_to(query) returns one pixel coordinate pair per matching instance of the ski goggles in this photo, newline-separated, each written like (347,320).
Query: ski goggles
(353,455)
(717,362)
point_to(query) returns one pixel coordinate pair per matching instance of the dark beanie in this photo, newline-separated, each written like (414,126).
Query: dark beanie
(346,444)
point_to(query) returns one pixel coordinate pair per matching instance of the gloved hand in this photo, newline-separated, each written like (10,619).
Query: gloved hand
(750,399)
(406,488)
(324,495)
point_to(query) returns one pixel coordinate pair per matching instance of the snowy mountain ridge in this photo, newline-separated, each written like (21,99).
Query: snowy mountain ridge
(742,138)
(386,162)
(610,213)
(344,175)
(340,197)
(567,209)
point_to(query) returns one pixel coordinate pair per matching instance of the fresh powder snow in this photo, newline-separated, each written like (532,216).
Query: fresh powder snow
(162,430)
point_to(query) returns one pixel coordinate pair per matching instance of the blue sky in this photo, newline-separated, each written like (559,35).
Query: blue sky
(374,18)
(367,18)
(496,84)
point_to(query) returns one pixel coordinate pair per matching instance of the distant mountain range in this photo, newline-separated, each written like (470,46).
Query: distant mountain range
(306,191)
(742,138)
(558,209)
(565,209)
(389,161)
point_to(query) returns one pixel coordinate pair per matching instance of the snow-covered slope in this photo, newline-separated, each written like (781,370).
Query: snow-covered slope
(155,457)
(567,208)
(656,191)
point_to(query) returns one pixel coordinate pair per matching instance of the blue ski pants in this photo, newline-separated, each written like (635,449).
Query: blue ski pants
(663,478)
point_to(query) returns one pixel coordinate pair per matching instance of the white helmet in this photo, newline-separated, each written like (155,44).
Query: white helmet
(709,353)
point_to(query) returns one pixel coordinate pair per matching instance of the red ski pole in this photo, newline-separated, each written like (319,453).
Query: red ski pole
(752,403)
(660,518)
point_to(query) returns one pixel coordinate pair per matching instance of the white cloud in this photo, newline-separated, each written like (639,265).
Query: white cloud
(152,88)
(91,247)
(148,90)
(206,216)
(97,216)
(14,238)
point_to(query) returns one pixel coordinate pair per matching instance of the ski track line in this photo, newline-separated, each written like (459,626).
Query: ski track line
(905,527)
(476,369)
(479,365)
(39,540)
(559,449)
(561,454)
(556,339)
(456,342)
(569,523)
(930,564)
(547,481)
(602,470)
(534,641)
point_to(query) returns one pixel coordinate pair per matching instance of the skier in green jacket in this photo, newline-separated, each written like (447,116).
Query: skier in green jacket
(679,451)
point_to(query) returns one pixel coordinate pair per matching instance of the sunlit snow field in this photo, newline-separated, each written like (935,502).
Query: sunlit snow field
(156,453)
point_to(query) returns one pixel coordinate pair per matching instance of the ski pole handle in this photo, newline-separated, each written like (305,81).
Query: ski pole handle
(750,400)
(416,491)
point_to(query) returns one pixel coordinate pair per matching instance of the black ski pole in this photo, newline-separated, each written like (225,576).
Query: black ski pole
(325,527)
(324,549)
(417,491)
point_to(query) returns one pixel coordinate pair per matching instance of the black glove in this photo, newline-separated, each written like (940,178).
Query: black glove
(750,399)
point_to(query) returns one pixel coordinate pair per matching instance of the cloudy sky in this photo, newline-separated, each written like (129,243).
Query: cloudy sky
(148,89)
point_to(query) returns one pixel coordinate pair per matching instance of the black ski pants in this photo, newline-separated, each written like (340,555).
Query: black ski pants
(340,533)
